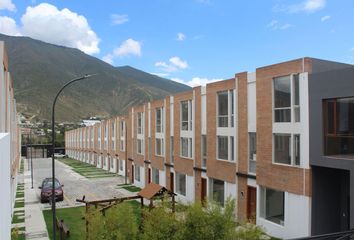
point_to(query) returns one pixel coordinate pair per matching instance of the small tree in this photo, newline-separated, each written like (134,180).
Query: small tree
(159,223)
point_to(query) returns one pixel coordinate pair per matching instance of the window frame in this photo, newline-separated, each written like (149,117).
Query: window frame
(189,148)
(189,120)
(230,116)
(230,148)
(292,149)
(177,183)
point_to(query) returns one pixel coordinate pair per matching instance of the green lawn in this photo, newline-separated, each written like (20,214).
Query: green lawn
(19,204)
(73,217)
(85,169)
(16,219)
(130,188)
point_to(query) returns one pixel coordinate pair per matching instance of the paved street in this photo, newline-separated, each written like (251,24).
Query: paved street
(75,185)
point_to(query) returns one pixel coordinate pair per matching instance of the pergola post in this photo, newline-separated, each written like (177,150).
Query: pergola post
(173,203)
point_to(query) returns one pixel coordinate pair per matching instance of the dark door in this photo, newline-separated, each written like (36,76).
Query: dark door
(149,175)
(251,203)
(204,190)
(172,182)
(132,174)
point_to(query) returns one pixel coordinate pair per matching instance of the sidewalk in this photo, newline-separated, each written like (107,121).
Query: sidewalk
(34,220)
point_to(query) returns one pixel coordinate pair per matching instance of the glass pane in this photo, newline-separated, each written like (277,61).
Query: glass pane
(297,149)
(345,116)
(223,109)
(223,147)
(282,153)
(218,191)
(282,115)
(330,116)
(274,206)
(184,110)
(296,89)
(184,147)
(204,150)
(252,151)
(232,148)
(181,183)
(282,92)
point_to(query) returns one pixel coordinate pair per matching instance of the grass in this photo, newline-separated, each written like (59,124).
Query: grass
(20,194)
(131,188)
(21,236)
(16,219)
(85,169)
(73,217)
(19,204)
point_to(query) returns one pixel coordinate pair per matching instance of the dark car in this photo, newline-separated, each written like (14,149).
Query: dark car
(46,190)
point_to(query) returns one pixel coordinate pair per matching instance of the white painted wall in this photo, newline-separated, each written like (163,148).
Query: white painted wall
(162,178)
(297,217)
(122,172)
(5,187)
(113,167)
(251,102)
(203,110)
(140,183)
(230,190)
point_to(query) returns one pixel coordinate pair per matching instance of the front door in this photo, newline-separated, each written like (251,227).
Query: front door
(172,182)
(251,203)
(132,174)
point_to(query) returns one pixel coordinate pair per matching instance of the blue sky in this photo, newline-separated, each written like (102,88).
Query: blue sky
(193,41)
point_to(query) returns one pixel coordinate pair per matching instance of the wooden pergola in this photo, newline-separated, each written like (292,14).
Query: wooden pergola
(154,191)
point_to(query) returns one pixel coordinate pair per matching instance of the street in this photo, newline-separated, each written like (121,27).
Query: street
(75,185)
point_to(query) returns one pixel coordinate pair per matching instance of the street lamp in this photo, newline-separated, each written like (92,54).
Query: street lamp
(53,147)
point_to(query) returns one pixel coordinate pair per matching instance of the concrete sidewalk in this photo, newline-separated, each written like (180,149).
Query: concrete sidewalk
(34,220)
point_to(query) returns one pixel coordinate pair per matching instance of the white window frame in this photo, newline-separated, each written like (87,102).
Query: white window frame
(189,148)
(293,108)
(160,152)
(140,133)
(189,117)
(230,148)
(230,109)
(113,135)
(159,128)
(122,136)
(292,149)
(177,187)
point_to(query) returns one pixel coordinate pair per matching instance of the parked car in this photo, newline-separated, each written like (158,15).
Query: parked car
(46,190)
(59,155)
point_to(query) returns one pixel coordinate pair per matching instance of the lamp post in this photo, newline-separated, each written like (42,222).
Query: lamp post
(53,147)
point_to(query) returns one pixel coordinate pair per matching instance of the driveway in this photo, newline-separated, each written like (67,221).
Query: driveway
(75,185)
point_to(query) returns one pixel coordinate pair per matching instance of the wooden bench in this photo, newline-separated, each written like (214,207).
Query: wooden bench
(63,229)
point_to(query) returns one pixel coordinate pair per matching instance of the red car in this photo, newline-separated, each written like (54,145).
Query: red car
(46,190)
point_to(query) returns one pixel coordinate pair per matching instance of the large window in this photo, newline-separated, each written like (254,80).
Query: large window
(140,123)
(181,183)
(186,147)
(272,205)
(155,176)
(159,120)
(286,98)
(287,149)
(339,126)
(252,152)
(218,191)
(137,173)
(140,146)
(159,147)
(172,149)
(204,151)
(225,148)
(122,136)
(186,115)
(121,165)
(113,129)
(226,109)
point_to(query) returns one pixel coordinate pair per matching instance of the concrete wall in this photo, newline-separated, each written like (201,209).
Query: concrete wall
(5,178)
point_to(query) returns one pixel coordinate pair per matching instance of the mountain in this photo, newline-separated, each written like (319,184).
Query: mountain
(39,69)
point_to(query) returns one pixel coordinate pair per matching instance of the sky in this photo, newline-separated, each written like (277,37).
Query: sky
(189,41)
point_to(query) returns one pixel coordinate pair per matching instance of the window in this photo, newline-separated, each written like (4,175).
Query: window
(159,120)
(122,136)
(105,137)
(226,109)
(181,183)
(137,173)
(287,149)
(121,165)
(111,164)
(159,147)
(186,115)
(140,146)
(339,126)
(286,98)
(113,130)
(172,150)
(140,123)
(186,147)
(218,191)
(252,152)
(272,205)
(204,151)
(225,148)
(155,176)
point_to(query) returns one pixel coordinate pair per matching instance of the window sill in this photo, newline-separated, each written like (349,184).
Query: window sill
(187,158)
(223,160)
(287,165)
(273,223)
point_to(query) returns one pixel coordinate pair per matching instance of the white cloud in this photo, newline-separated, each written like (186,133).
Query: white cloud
(8,26)
(7,5)
(352,49)
(181,37)
(308,6)
(325,18)
(175,63)
(128,47)
(45,22)
(118,19)
(197,81)
(275,25)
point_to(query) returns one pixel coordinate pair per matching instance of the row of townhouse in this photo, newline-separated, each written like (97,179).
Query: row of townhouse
(10,146)
(279,140)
